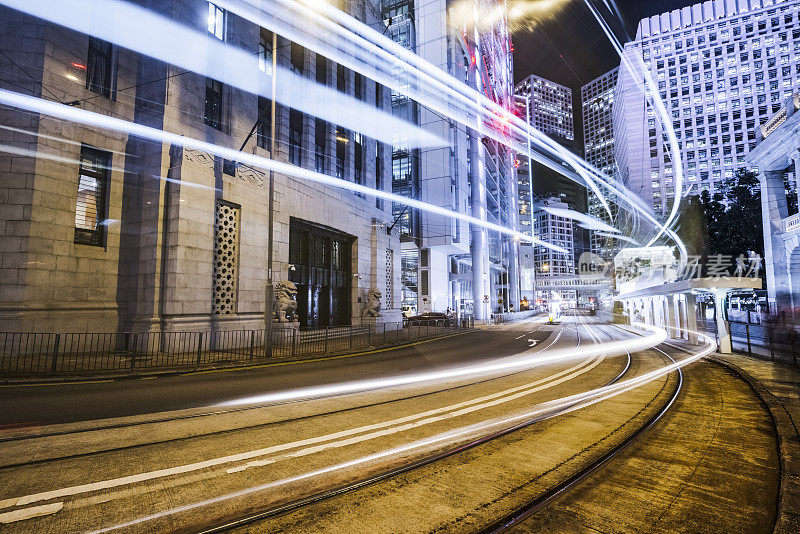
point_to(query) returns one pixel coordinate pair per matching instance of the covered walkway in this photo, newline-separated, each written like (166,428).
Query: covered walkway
(674,306)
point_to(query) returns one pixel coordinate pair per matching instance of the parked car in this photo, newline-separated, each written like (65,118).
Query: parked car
(408,311)
(432,319)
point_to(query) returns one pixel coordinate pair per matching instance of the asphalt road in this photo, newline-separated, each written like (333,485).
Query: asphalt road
(162,473)
(34,405)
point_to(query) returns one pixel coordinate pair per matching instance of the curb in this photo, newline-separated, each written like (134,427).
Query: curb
(250,365)
(788,515)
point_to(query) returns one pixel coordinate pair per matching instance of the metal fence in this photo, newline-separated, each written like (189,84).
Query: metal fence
(64,353)
(765,337)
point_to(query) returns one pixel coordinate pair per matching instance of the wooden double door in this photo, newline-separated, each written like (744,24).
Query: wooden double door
(320,266)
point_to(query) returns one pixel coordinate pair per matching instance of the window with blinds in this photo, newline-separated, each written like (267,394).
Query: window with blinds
(90,212)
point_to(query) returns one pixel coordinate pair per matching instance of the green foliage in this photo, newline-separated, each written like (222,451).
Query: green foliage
(728,223)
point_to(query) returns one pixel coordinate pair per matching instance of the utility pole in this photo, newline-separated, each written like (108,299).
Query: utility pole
(270,289)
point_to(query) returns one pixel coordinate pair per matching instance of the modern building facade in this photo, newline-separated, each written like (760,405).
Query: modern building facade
(106,232)
(550,107)
(776,155)
(597,103)
(446,263)
(548,263)
(721,67)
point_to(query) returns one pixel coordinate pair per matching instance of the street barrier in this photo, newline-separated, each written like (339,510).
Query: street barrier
(27,353)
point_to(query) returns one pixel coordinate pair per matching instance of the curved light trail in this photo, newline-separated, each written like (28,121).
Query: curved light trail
(90,118)
(543,410)
(479,106)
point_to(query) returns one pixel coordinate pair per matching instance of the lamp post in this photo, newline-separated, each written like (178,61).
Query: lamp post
(270,289)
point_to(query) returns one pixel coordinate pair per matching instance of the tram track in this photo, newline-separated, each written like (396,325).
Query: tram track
(214,433)
(248,408)
(595,332)
(388,474)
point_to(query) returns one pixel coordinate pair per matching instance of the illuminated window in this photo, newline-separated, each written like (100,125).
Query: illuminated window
(90,212)
(216,21)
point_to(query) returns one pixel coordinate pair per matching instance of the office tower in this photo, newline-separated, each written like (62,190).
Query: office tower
(597,103)
(721,69)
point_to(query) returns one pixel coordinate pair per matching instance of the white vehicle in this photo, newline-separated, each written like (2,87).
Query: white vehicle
(409,311)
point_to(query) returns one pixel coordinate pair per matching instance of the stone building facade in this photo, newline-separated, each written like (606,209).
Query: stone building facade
(105,232)
(777,157)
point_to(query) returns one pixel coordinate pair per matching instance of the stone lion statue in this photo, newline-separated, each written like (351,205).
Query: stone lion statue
(372,308)
(285,303)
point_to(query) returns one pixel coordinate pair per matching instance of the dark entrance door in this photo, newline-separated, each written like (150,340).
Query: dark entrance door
(320,268)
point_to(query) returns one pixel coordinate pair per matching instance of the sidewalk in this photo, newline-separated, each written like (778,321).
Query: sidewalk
(778,385)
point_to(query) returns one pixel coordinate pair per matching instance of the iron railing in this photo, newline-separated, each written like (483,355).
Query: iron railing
(26,353)
(771,338)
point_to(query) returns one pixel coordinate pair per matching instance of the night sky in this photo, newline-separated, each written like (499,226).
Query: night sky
(570,48)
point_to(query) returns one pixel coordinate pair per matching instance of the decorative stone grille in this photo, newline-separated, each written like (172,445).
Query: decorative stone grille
(226,248)
(387,295)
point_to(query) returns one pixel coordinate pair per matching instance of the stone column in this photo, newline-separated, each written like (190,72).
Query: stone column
(795,156)
(773,211)
(672,322)
(723,327)
(680,316)
(691,317)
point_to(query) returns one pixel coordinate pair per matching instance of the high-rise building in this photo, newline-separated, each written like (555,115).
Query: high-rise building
(597,102)
(550,107)
(456,266)
(721,68)
(547,106)
(548,263)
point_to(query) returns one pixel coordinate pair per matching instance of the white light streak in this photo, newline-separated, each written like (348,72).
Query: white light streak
(90,118)
(122,22)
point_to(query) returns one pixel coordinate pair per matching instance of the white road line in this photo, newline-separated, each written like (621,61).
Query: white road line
(462,408)
(28,513)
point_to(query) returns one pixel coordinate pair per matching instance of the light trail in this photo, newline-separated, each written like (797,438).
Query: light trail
(525,360)
(173,43)
(542,411)
(661,111)
(90,118)
(587,221)
(485,108)
(353,30)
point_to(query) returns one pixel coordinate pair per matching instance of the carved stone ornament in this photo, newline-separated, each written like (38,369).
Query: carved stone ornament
(372,308)
(285,304)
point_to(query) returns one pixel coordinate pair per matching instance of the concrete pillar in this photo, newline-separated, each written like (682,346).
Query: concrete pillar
(691,317)
(723,327)
(680,314)
(478,239)
(773,211)
(795,156)
(672,321)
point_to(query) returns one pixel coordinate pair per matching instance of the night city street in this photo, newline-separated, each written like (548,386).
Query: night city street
(391,266)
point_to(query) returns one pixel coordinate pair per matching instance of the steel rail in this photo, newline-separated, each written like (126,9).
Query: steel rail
(536,504)
(353,486)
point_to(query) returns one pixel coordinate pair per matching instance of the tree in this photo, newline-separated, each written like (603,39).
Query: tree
(738,228)
(729,223)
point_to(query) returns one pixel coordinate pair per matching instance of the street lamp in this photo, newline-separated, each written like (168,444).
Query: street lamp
(270,289)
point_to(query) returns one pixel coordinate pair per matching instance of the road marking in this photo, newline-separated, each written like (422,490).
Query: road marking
(462,408)
(419,423)
(28,513)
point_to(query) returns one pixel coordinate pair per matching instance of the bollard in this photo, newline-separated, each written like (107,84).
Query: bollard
(747,329)
(294,342)
(351,337)
(326,340)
